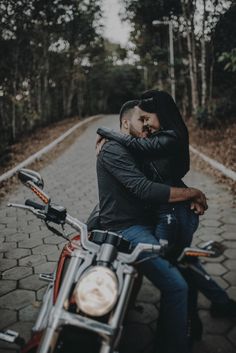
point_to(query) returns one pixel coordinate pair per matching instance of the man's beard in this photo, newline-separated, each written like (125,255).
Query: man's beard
(133,132)
(146,132)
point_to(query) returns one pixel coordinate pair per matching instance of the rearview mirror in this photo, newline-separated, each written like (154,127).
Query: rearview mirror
(26,175)
(214,246)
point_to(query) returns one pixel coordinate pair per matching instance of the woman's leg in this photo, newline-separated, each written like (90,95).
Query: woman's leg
(173,288)
(166,229)
(188,223)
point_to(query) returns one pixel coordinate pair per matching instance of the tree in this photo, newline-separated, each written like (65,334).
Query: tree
(43,47)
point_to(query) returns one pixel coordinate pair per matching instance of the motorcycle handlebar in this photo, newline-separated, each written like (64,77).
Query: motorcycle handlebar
(34,204)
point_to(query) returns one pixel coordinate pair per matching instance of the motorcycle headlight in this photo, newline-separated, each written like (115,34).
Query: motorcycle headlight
(97,291)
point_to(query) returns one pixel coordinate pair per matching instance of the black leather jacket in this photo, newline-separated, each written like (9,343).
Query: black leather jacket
(159,154)
(124,191)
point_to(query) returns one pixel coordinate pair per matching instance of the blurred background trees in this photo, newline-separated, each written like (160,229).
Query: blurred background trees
(55,63)
(204,47)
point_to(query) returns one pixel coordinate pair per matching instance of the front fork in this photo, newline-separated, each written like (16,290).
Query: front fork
(109,344)
(50,336)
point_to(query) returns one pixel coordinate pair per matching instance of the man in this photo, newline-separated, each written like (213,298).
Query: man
(123,191)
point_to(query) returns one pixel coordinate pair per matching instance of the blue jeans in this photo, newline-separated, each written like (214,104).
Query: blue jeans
(176,224)
(166,230)
(188,222)
(173,287)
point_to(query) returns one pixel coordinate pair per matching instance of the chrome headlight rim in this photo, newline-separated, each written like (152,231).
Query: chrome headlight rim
(96,292)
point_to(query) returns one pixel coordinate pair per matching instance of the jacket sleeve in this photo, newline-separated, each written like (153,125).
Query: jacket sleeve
(118,162)
(158,144)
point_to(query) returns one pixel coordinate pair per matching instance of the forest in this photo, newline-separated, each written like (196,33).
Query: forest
(55,62)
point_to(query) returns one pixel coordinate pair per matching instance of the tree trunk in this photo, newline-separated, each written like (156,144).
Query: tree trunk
(188,16)
(203,60)
(13,120)
(211,83)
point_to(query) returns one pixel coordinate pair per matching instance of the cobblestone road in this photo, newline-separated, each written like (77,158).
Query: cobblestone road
(27,248)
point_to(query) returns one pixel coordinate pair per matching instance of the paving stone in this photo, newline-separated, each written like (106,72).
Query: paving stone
(32,260)
(31,282)
(5,264)
(228,236)
(30,312)
(230,228)
(229,220)
(17,299)
(148,314)
(232,292)
(230,277)
(44,249)
(211,222)
(229,244)
(18,236)
(215,269)
(207,237)
(214,326)
(24,330)
(17,273)
(7,317)
(148,293)
(230,253)
(7,286)
(221,281)
(214,344)
(40,292)
(30,243)
(210,231)
(47,267)
(212,215)
(7,246)
(6,347)
(54,256)
(53,240)
(203,302)
(230,264)
(17,253)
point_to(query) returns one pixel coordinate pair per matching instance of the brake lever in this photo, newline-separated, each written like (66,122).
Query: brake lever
(38,213)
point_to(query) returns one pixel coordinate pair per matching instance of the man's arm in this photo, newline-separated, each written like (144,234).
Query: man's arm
(118,161)
(160,143)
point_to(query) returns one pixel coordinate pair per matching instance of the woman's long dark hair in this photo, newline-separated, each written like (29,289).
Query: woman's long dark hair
(161,103)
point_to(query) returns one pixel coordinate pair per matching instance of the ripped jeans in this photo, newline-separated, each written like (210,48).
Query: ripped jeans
(176,224)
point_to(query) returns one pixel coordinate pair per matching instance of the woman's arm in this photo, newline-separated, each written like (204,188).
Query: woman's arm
(161,143)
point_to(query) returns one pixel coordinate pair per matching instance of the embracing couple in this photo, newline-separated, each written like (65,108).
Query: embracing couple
(142,196)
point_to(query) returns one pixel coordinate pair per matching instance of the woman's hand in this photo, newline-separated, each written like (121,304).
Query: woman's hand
(99,143)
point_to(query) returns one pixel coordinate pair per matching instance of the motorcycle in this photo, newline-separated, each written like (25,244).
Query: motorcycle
(88,296)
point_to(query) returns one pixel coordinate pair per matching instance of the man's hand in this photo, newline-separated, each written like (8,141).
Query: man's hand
(197,208)
(199,200)
(99,143)
(197,197)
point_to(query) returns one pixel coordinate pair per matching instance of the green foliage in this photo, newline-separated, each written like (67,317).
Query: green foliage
(229,58)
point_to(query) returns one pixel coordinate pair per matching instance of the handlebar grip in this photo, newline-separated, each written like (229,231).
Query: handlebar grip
(34,204)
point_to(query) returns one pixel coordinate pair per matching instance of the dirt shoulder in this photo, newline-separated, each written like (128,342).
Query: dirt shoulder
(218,144)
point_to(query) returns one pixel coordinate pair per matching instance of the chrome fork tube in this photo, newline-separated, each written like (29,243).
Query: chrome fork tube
(50,337)
(44,310)
(110,343)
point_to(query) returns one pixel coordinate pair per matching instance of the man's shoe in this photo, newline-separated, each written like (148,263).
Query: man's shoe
(224,310)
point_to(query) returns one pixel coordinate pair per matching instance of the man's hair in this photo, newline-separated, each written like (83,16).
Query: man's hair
(127,109)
